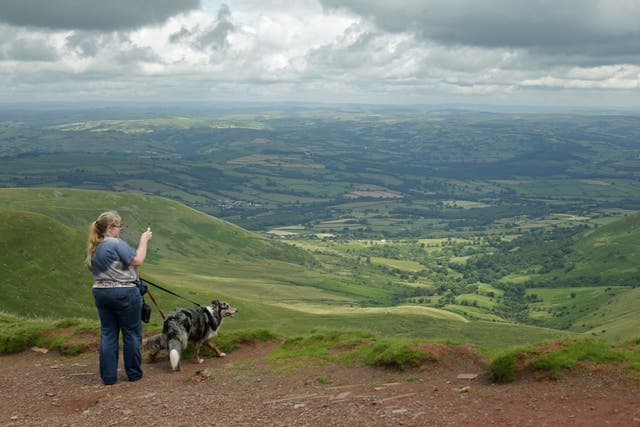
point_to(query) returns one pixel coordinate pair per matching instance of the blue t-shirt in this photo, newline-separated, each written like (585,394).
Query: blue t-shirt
(112,261)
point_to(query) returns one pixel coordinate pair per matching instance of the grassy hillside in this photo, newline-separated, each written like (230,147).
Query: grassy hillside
(610,251)
(179,232)
(42,267)
(204,258)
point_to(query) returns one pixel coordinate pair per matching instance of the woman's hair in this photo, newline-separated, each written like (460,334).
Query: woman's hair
(96,232)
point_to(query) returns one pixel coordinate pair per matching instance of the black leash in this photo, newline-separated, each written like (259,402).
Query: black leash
(169,291)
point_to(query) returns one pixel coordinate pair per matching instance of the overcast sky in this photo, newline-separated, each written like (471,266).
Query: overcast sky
(535,52)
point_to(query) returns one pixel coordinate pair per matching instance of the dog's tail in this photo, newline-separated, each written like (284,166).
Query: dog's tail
(175,351)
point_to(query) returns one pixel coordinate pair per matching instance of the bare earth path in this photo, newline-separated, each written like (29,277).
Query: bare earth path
(244,390)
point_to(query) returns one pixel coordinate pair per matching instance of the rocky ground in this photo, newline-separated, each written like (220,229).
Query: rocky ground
(244,389)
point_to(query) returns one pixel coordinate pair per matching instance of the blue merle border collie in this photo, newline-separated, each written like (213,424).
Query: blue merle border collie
(183,325)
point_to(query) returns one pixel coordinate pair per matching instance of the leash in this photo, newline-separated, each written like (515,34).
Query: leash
(169,292)
(155,303)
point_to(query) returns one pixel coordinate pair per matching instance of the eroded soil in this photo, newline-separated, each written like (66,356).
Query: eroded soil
(244,389)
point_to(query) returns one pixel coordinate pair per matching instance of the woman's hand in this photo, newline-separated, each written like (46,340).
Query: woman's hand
(141,252)
(147,235)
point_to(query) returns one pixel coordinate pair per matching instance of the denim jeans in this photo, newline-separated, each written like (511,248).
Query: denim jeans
(119,310)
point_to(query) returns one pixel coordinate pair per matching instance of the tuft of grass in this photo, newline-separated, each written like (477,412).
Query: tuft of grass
(19,334)
(553,358)
(354,347)
(503,368)
(395,354)
(568,356)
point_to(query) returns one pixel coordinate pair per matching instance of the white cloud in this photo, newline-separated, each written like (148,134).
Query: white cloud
(327,50)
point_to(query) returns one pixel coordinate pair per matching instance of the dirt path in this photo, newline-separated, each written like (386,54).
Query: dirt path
(245,390)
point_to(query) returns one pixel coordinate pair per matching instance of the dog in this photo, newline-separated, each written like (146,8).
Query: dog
(183,325)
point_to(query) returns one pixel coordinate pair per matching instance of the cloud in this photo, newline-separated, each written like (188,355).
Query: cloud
(608,29)
(25,47)
(408,51)
(100,15)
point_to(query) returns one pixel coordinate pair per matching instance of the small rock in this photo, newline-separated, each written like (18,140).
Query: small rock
(299,406)
(40,350)
(342,395)
(467,376)
(465,389)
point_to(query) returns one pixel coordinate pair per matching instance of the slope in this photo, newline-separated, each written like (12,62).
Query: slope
(42,270)
(202,258)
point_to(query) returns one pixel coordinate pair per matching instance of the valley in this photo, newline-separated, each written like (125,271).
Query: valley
(488,229)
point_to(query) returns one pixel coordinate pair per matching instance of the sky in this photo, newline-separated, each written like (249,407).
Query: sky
(583,53)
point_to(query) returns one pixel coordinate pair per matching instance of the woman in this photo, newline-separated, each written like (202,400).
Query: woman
(113,264)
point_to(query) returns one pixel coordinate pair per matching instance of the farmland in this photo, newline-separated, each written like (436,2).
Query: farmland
(454,224)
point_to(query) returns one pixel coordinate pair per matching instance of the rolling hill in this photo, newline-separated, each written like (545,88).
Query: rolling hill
(42,267)
(43,240)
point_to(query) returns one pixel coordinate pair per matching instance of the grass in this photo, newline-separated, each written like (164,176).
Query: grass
(201,257)
(554,358)
(18,334)
(351,347)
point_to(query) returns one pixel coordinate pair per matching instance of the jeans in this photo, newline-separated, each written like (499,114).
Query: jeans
(119,310)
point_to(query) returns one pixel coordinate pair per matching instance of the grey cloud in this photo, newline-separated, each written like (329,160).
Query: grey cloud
(607,28)
(28,49)
(85,44)
(213,37)
(216,36)
(177,37)
(101,15)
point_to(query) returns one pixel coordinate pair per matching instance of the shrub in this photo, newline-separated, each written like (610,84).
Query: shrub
(503,367)
(394,355)
(568,356)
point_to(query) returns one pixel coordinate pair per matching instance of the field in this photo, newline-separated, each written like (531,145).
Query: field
(296,294)
(484,228)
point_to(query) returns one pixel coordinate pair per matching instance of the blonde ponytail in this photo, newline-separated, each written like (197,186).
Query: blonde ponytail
(96,232)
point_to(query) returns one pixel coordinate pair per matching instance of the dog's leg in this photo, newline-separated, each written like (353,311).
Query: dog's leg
(196,352)
(215,348)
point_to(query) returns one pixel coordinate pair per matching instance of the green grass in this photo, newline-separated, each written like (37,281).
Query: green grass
(570,308)
(18,334)
(566,357)
(276,286)
(43,272)
(553,359)
(410,266)
(353,348)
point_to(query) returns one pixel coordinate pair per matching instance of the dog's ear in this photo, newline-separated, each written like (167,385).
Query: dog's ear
(215,302)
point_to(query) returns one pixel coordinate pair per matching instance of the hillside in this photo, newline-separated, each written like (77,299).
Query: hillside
(43,238)
(390,172)
(610,253)
(42,267)
(204,258)
(179,232)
